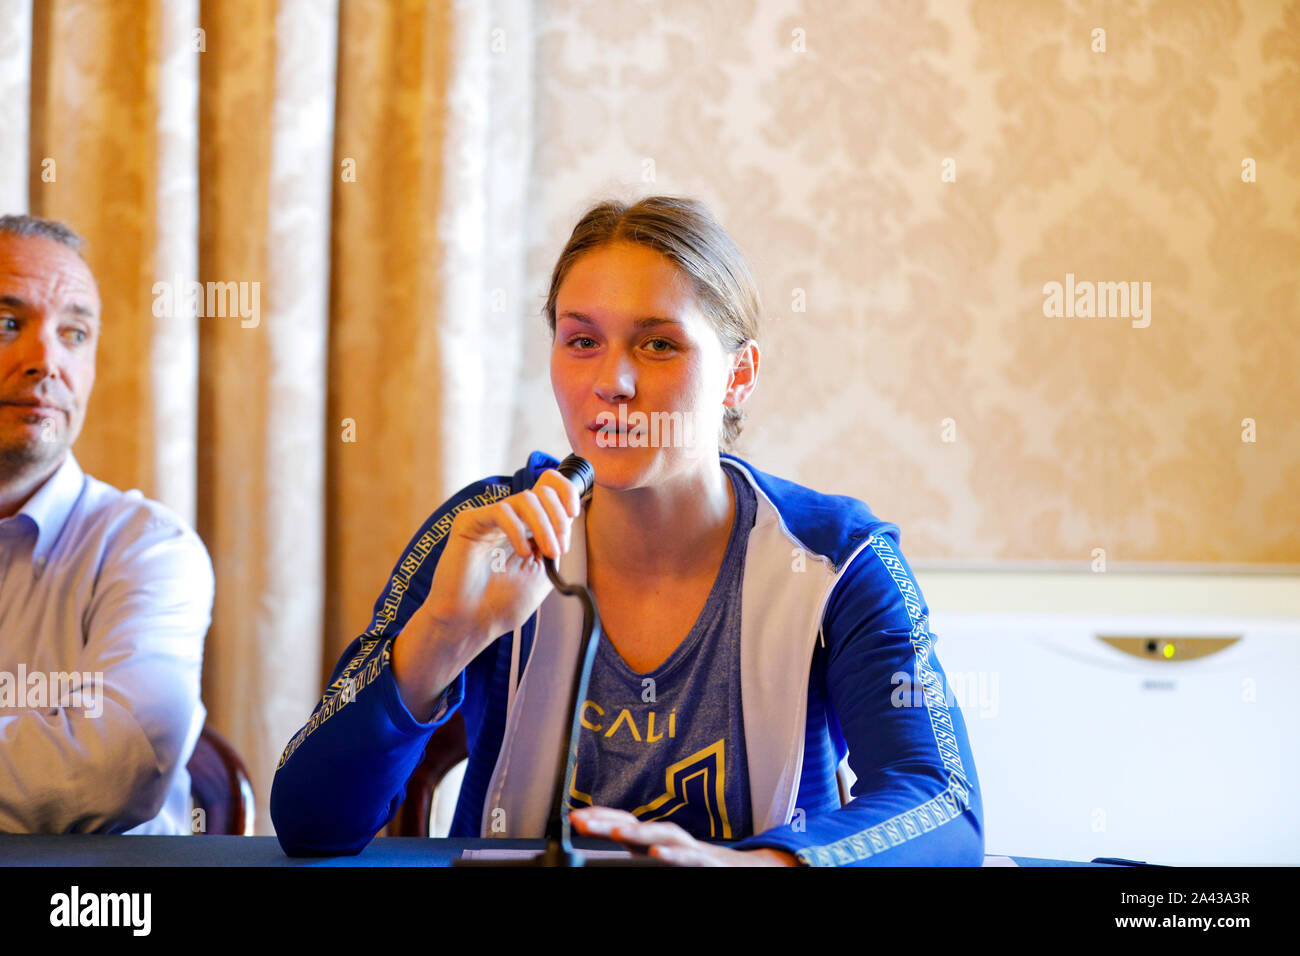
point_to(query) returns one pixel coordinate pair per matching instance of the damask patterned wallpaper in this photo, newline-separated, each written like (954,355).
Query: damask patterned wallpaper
(909,179)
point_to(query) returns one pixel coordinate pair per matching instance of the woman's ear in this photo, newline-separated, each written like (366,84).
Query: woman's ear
(743,372)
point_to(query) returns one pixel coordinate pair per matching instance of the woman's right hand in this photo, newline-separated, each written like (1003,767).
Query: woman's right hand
(489,580)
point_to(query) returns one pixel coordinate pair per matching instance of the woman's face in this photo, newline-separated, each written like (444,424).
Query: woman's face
(630,333)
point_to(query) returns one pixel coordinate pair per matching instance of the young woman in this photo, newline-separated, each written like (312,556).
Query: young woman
(755,631)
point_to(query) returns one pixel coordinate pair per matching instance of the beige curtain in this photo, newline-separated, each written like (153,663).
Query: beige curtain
(427,310)
(362,167)
(265,116)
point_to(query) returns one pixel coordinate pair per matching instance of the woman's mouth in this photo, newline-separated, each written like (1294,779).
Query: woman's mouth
(612,437)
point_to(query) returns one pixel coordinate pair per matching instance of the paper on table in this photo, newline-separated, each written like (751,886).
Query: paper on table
(495,854)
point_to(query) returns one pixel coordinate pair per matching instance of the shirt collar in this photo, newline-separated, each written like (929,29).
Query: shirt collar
(50,506)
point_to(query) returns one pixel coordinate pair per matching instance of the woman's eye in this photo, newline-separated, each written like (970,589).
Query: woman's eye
(577,339)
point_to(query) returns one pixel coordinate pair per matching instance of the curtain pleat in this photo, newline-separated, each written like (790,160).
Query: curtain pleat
(174,366)
(94,165)
(432,143)
(15,94)
(266,124)
(385,384)
(296,330)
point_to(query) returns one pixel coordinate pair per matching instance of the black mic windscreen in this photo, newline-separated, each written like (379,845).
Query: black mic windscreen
(579,471)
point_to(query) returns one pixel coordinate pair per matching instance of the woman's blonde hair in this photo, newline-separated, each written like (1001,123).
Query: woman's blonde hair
(685,232)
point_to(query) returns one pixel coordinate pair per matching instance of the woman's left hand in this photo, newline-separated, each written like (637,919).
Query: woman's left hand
(668,842)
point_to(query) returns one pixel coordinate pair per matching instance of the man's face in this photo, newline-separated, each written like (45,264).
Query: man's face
(49,328)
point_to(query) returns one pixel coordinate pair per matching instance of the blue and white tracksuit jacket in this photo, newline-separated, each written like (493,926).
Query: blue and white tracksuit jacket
(836,656)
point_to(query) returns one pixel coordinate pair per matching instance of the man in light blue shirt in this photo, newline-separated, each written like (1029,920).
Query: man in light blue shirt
(105,596)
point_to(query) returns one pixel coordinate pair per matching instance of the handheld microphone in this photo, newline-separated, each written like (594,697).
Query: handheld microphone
(579,471)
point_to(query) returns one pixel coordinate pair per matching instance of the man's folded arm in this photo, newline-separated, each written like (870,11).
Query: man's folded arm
(102,755)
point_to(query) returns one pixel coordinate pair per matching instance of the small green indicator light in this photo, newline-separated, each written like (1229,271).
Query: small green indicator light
(1169,650)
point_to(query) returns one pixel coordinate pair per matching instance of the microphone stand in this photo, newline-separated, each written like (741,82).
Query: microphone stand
(559,846)
(559,850)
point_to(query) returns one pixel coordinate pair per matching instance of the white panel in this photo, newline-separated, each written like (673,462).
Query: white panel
(1083,751)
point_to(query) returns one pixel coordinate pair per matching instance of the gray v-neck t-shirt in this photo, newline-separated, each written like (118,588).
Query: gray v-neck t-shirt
(669,744)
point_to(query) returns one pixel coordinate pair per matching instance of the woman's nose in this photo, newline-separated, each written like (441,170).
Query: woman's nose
(617,379)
